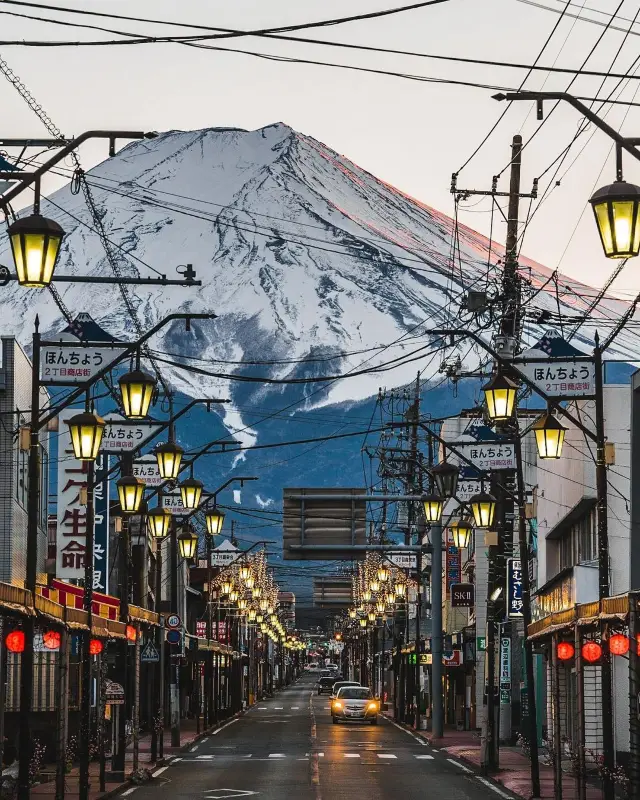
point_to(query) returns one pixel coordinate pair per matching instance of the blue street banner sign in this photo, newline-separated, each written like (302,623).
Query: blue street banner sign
(101,526)
(174,637)
(514,587)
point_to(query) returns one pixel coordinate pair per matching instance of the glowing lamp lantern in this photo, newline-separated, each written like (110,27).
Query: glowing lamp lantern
(226,587)
(483,506)
(371,616)
(95,647)
(616,211)
(446,477)
(260,619)
(51,640)
(380,606)
(86,431)
(249,582)
(400,589)
(191,492)
(383,574)
(130,492)
(245,572)
(158,520)
(591,652)
(35,243)
(137,389)
(549,433)
(363,622)
(352,613)
(460,532)
(374,586)
(15,642)
(188,544)
(215,520)
(234,595)
(242,604)
(389,598)
(169,458)
(256,592)
(366,595)
(618,645)
(252,615)
(432,505)
(131,633)
(565,651)
(500,395)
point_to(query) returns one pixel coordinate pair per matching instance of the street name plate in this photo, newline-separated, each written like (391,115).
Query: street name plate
(403,560)
(561,378)
(146,468)
(488,455)
(66,363)
(122,436)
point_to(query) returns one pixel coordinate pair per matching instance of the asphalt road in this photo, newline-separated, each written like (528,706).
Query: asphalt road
(288,747)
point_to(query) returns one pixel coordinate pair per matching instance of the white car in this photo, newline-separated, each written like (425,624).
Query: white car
(355,703)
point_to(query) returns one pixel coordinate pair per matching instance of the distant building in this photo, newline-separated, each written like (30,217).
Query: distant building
(15,402)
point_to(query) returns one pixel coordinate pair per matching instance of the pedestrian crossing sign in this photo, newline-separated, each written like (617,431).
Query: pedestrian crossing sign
(149,652)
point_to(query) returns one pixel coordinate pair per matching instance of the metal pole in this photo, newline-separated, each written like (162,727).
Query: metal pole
(608,746)
(418,644)
(161,693)
(488,750)
(33,503)
(87,658)
(102,697)
(174,680)
(581,787)
(556,722)
(436,632)
(136,699)
(63,712)
(532,733)
(634,698)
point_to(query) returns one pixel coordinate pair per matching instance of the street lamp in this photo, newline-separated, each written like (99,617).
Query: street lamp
(190,492)
(35,242)
(549,433)
(446,477)
(483,506)
(215,520)
(400,589)
(461,532)
(169,456)
(432,507)
(86,431)
(130,492)
(366,595)
(352,613)
(616,211)
(159,519)
(226,587)
(188,543)
(383,573)
(500,395)
(137,389)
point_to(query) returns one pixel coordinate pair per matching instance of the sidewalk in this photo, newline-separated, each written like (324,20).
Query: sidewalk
(515,768)
(47,789)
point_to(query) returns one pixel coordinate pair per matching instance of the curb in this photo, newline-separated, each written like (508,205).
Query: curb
(441,746)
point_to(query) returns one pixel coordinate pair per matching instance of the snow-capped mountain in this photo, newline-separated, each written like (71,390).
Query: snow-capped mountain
(300,252)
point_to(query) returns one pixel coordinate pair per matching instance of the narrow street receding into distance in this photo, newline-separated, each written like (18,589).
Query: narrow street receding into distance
(287,747)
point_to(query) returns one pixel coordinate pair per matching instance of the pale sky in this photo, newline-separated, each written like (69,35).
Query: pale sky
(411,134)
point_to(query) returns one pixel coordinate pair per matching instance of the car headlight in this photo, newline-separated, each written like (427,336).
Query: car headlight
(373,707)
(337,704)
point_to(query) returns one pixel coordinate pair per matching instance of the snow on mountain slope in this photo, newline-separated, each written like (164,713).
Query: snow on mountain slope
(300,251)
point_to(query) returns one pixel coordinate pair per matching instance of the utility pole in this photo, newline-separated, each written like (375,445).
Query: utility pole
(507,342)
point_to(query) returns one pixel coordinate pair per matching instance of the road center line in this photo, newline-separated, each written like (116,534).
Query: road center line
(129,791)
(492,786)
(159,771)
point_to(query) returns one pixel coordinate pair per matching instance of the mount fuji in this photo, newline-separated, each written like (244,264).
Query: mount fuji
(313,267)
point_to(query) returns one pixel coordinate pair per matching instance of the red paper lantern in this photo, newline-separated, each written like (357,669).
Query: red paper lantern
(95,647)
(131,633)
(591,652)
(618,644)
(638,643)
(565,651)
(15,642)
(51,640)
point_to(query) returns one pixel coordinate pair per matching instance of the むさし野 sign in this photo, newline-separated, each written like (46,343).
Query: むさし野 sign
(514,587)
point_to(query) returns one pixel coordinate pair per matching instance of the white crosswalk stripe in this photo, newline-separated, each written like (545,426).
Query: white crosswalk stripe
(352,755)
(426,757)
(277,755)
(387,755)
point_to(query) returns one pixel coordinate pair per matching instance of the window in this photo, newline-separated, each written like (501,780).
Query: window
(578,543)
(355,693)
